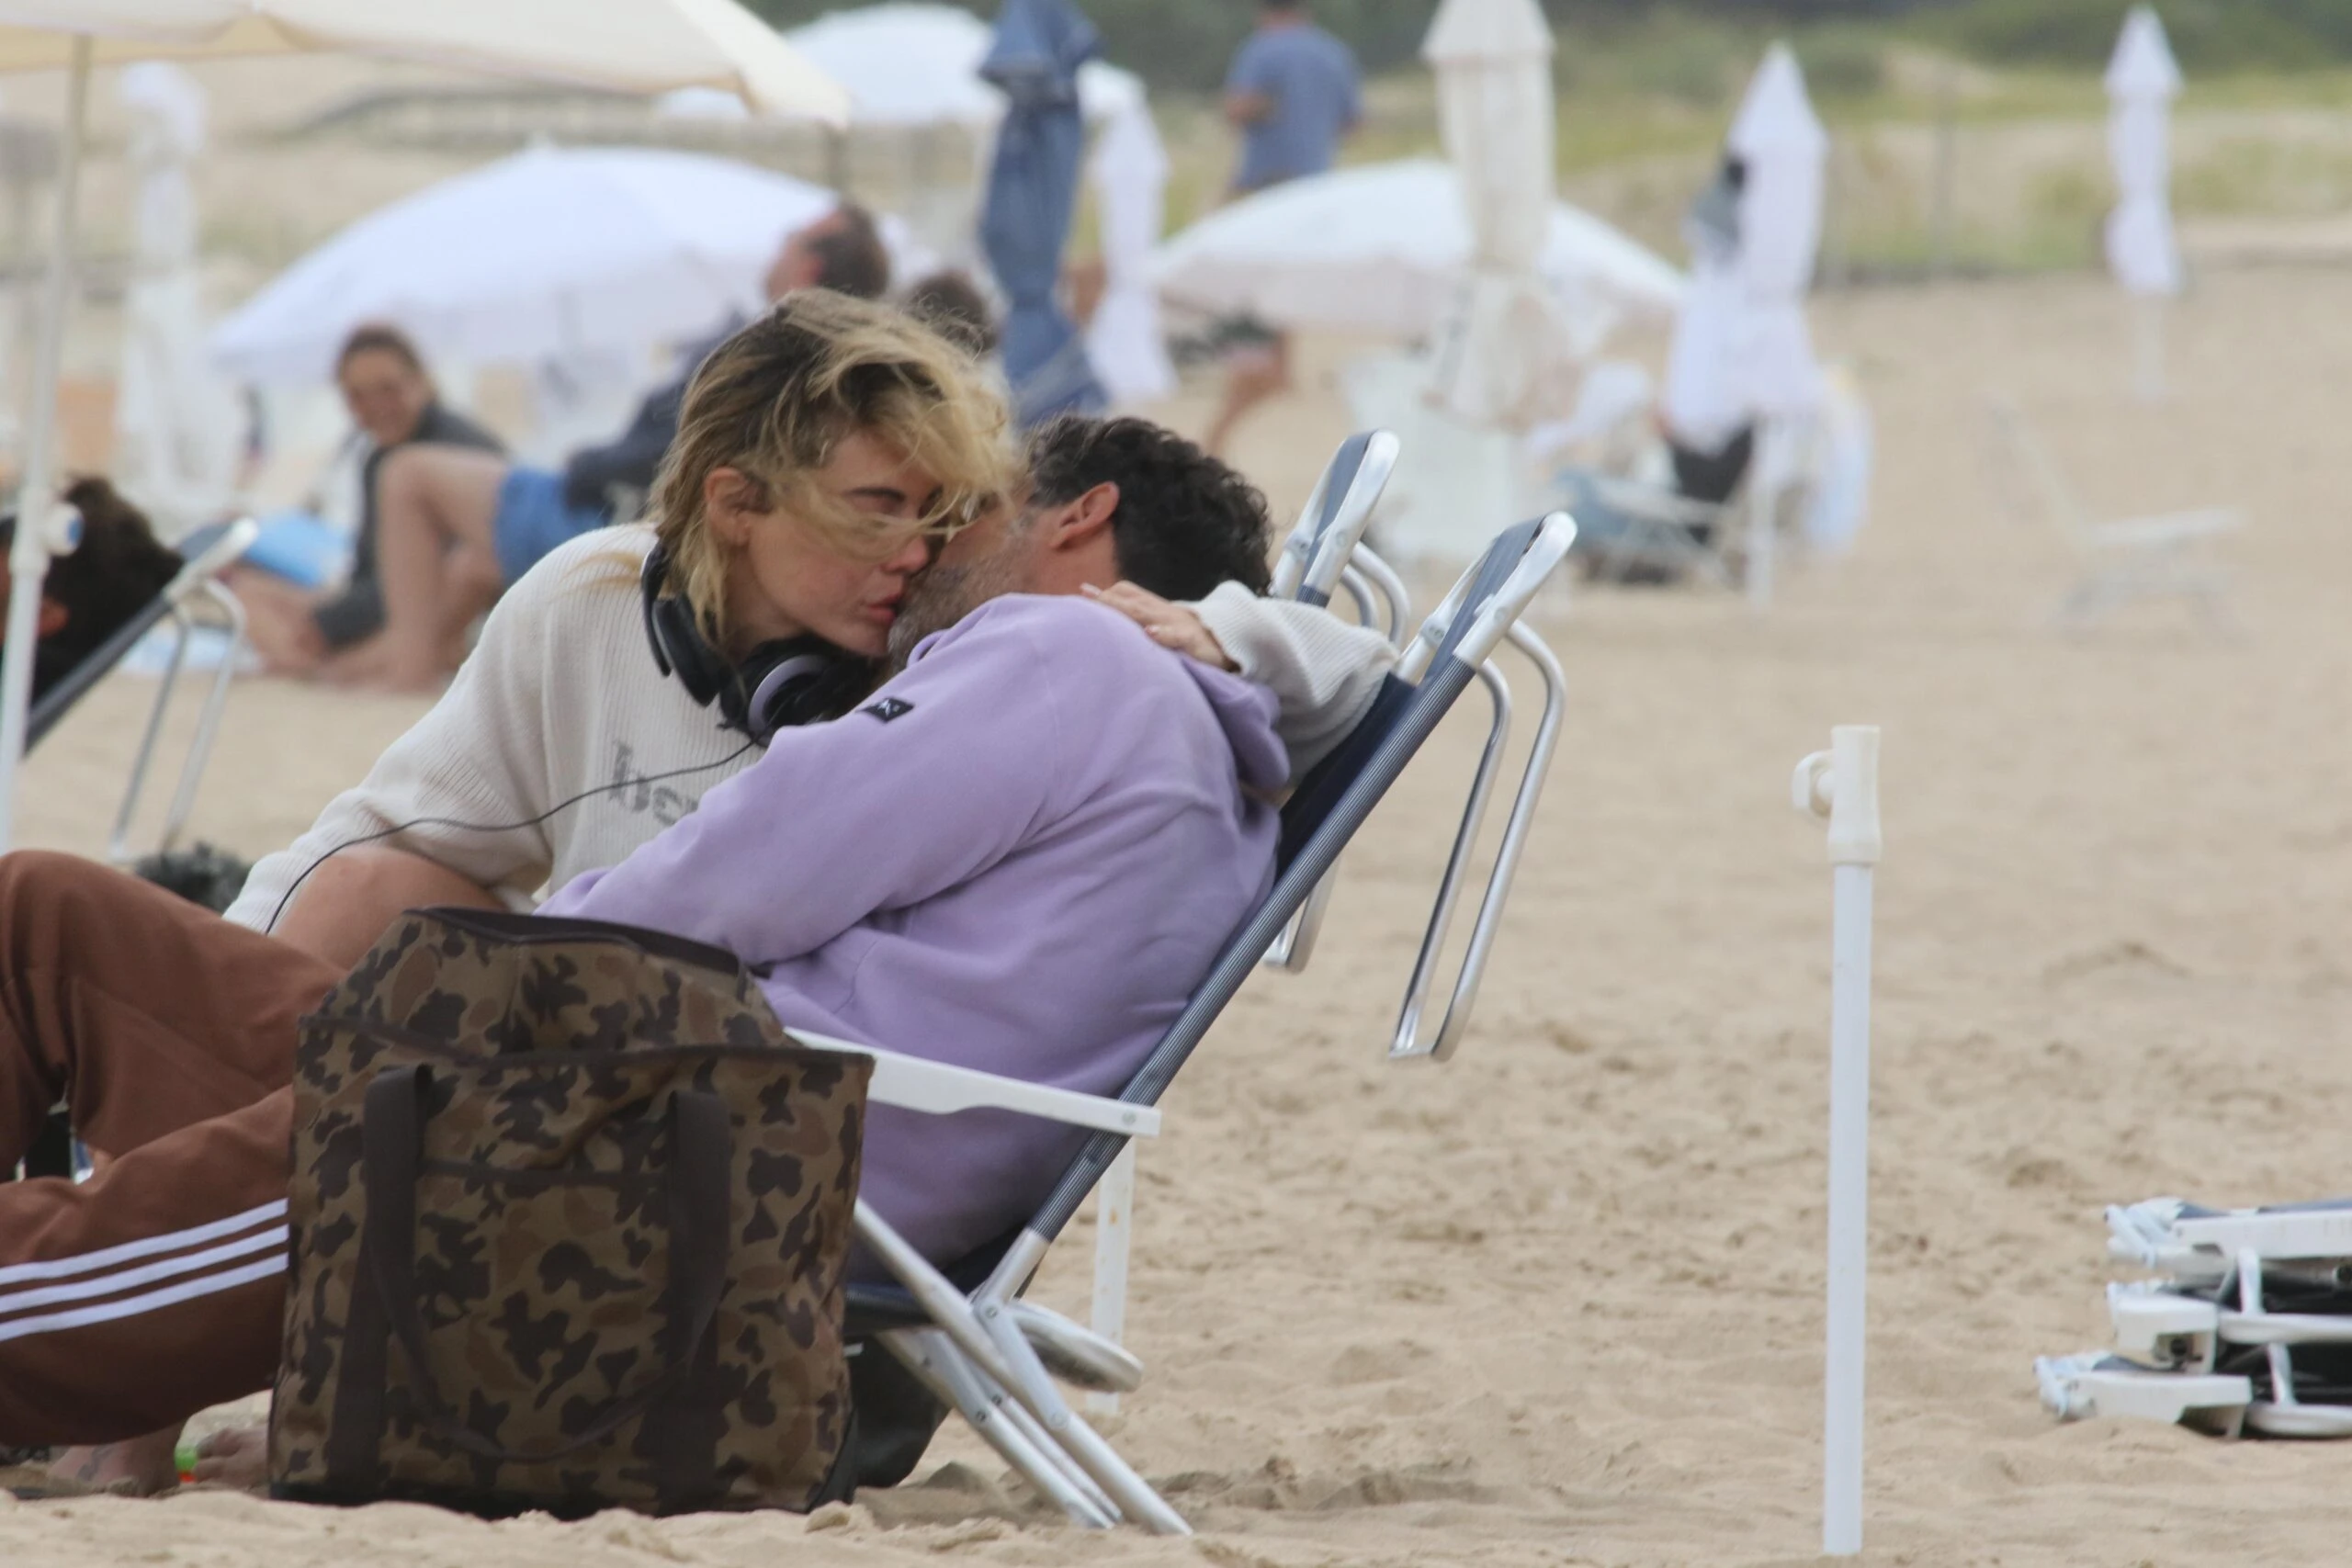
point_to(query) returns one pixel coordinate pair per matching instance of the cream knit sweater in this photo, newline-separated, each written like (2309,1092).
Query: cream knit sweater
(559,747)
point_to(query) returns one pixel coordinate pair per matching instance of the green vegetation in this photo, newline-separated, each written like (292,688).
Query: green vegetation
(1185,43)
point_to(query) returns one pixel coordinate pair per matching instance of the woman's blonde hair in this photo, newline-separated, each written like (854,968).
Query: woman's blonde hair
(775,401)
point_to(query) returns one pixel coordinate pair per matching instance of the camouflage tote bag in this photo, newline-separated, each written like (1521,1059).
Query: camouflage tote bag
(571,1224)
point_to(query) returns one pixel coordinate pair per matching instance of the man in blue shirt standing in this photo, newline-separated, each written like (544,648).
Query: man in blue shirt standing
(1293,94)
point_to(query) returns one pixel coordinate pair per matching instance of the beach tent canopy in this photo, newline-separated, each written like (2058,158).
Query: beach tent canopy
(546,255)
(644,46)
(1375,249)
(1507,348)
(915,65)
(2142,82)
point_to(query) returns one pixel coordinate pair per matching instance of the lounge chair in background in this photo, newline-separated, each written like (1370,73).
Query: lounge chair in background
(2118,562)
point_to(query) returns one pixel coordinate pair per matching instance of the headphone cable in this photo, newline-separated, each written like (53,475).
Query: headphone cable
(279,913)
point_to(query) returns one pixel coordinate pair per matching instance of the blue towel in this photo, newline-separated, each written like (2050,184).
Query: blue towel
(301,548)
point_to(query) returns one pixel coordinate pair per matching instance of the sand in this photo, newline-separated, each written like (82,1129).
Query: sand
(1559,1299)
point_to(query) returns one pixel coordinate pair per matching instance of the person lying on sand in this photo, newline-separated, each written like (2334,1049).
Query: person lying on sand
(562,680)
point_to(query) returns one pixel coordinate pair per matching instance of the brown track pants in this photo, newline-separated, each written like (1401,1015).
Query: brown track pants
(135,1299)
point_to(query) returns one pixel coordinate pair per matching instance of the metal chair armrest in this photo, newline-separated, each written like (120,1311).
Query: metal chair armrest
(940,1088)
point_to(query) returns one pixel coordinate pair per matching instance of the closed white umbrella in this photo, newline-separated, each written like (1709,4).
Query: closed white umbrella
(1504,354)
(2142,82)
(1779,141)
(552,252)
(1375,249)
(648,46)
(1129,171)
(174,449)
(1742,356)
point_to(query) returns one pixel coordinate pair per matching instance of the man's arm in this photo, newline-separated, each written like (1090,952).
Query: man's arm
(1248,88)
(936,779)
(632,460)
(479,756)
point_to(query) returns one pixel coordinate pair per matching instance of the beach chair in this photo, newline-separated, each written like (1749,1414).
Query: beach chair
(1324,554)
(2118,562)
(194,598)
(2250,1331)
(966,1331)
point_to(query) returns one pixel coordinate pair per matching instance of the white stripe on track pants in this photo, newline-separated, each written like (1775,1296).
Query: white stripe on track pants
(136,1299)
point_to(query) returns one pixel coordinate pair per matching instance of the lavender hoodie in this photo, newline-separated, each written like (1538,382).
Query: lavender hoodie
(1020,856)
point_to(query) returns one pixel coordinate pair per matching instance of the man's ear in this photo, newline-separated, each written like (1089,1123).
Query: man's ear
(1084,522)
(53,617)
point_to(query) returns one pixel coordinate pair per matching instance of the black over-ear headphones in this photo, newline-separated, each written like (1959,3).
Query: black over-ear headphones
(788,681)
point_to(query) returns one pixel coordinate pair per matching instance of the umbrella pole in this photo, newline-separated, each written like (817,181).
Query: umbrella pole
(2148,347)
(1841,784)
(28,554)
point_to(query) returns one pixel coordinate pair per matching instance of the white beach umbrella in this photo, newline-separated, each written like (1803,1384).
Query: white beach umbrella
(1779,141)
(635,46)
(1129,171)
(1376,249)
(2142,82)
(1742,356)
(550,254)
(1505,352)
(174,449)
(649,46)
(912,64)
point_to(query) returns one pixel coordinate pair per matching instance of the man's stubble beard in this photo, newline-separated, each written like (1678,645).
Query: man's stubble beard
(939,596)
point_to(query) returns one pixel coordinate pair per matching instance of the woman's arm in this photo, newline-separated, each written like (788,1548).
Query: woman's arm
(1323,672)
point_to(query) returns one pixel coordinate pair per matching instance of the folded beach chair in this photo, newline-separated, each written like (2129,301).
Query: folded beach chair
(195,597)
(2159,557)
(966,1331)
(2249,1331)
(1324,554)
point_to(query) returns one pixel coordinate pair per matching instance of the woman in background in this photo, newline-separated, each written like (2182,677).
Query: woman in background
(393,402)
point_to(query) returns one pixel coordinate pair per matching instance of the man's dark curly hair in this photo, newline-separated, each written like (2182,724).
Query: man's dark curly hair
(110,577)
(1185,522)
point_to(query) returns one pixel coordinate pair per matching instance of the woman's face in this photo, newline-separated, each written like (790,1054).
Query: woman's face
(784,579)
(386,394)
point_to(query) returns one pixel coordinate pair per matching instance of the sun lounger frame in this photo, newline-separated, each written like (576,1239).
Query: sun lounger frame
(195,597)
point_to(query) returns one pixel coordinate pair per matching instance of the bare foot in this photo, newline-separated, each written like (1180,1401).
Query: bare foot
(235,1456)
(137,1467)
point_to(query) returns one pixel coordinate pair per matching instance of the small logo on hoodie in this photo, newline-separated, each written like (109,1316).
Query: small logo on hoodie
(888,708)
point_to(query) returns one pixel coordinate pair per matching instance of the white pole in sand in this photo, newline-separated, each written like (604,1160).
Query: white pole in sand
(2148,347)
(1841,784)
